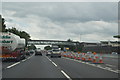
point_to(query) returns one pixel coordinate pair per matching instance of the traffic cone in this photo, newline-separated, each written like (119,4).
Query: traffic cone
(83,57)
(100,61)
(78,58)
(94,59)
(74,56)
(89,59)
(70,55)
(67,55)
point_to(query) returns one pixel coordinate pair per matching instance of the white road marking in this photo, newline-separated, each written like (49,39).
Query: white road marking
(79,61)
(30,56)
(52,61)
(49,59)
(87,63)
(66,75)
(92,65)
(82,62)
(114,71)
(54,64)
(13,65)
(108,68)
(61,70)
(24,60)
(98,66)
(118,71)
(110,65)
(19,62)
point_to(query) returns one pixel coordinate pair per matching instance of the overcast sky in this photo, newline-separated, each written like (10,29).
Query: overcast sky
(90,21)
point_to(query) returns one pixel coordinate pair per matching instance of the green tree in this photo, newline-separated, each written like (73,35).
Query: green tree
(47,48)
(2,24)
(22,34)
(32,46)
(117,36)
(69,40)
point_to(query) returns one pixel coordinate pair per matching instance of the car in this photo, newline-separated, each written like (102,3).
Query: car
(114,53)
(27,53)
(55,53)
(48,53)
(31,51)
(38,52)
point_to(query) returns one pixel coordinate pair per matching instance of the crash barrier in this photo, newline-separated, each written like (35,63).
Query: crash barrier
(97,59)
(87,57)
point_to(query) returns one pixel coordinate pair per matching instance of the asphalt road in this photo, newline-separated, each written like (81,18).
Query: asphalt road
(46,67)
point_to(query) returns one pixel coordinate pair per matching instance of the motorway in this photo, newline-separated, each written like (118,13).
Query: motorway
(46,67)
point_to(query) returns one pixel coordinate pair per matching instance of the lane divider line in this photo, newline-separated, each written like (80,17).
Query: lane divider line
(30,56)
(61,70)
(52,61)
(54,64)
(24,60)
(13,65)
(110,65)
(19,62)
(49,59)
(66,75)
(106,68)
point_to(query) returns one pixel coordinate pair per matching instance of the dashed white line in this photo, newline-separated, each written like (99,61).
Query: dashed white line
(54,64)
(24,60)
(113,71)
(52,61)
(19,62)
(13,65)
(109,65)
(61,70)
(66,75)
(28,57)
(82,62)
(87,63)
(106,68)
(49,59)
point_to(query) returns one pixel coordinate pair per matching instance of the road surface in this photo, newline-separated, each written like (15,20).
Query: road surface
(46,67)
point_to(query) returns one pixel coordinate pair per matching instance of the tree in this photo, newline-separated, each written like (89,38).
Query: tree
(69,40)
(117,36)
(22,34)
(2,24)
(47,48)
(32,47)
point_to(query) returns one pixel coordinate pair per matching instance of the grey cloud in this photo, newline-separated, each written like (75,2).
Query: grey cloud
(64,20)
(70,12)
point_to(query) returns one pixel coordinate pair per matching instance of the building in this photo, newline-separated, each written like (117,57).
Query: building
(110,43)
(86,44)
(104,47)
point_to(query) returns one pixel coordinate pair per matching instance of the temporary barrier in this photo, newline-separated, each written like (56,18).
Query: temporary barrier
(100,59)
(78,57)
(83,57)
(97,59)
(74,55)
(90,58)
(94,59)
